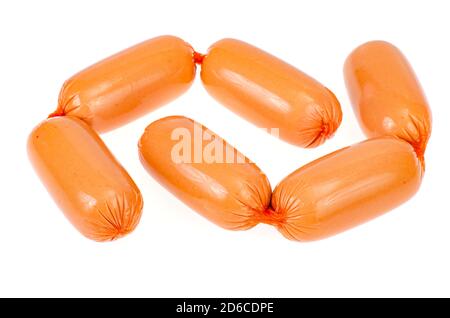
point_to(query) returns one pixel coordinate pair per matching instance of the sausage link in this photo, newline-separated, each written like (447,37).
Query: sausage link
(270,93)
(386,95)
(345,188)
(129,84)
(87,183)
(205,172)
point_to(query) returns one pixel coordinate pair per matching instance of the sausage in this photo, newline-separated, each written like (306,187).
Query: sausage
(87,183)
(270,93)
(205,172)
(127,85)
(386,95)
(345,188)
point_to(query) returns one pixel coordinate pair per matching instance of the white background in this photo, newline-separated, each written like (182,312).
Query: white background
(174,251)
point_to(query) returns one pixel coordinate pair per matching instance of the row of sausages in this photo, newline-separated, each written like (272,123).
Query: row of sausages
(322,198)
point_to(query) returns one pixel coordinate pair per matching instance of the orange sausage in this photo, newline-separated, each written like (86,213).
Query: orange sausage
(270,93)
(88,184)
(129,84)
(386,95)
(205,172)
(345,188)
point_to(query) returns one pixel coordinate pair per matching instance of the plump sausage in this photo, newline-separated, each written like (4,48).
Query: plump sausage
(270,93)
(345,188)
(129,84)
(92,189)
(386,95)
(205,172)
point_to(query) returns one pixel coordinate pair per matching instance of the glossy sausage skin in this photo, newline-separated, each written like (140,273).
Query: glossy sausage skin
(127,85)
(345,188)
(229,191)
(88,184)
(270,93)
(386,95)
